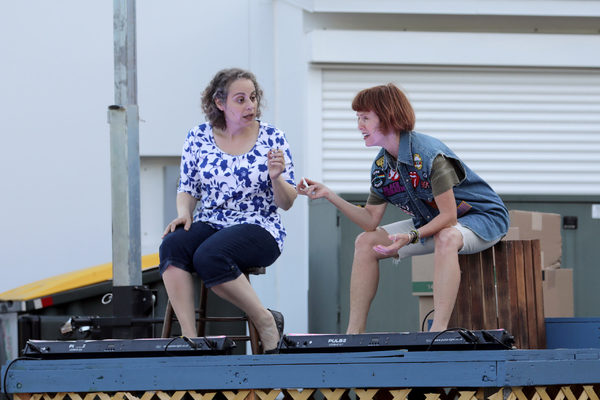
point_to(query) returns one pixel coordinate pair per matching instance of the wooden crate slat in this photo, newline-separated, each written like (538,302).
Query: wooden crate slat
(490,320)
(530,308)
(519,282)
(502,288)
(476,284)
(539,295)
(513,294)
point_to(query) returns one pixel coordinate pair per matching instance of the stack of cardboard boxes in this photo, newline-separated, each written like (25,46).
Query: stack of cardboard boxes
(525,225)
(557,281)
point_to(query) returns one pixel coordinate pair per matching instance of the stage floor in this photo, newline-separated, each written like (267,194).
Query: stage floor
(376,369)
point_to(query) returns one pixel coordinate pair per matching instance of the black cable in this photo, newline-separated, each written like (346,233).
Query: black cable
(279,345)
(489,336)
(6,372)
(285,340)
(210,343)
(195,346)
(190,342)
(469,336)
(425,319)
(444,331)
(169,343)
(30,345)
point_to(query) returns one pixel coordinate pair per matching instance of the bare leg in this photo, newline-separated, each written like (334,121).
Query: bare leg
(365,277)
(180,288)
(242,295)
(446,276)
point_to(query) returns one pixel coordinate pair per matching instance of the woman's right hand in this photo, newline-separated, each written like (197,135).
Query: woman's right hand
(367,217)
(185,221)
(312,189)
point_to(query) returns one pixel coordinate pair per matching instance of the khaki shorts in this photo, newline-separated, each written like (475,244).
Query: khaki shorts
(471,242)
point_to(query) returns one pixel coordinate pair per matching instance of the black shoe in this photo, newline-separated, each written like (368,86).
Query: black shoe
(278,317)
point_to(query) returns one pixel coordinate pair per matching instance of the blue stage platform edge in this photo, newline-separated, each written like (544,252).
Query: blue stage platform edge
(574,359)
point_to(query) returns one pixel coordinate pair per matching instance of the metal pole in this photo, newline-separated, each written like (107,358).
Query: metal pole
(124,151)
(125,52)
(130,298)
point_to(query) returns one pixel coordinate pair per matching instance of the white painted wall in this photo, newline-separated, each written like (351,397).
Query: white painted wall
(56,85)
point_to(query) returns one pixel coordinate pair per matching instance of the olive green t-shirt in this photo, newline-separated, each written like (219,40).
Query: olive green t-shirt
(445,174)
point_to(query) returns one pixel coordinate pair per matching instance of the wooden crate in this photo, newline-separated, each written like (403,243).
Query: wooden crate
(501,287)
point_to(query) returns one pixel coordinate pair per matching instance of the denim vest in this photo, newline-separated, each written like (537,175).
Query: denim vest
(406,184)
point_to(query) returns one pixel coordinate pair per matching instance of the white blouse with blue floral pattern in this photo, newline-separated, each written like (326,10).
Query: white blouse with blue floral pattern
(234,189)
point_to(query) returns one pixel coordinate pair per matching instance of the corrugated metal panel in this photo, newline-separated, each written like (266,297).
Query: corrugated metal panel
(526,131)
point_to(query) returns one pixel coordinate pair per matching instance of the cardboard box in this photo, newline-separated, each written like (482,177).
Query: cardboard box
(543,226)
(512,234)
(557,287)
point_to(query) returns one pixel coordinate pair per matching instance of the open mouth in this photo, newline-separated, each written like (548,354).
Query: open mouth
(249,117)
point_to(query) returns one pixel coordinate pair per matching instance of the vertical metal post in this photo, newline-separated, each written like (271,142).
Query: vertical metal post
(130,299)
(124,29)
(125,197)
(124,151)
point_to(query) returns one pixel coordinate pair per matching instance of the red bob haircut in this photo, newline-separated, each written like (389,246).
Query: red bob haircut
(391,105)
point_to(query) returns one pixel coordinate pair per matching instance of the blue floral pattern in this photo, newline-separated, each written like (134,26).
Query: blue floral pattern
(234,189)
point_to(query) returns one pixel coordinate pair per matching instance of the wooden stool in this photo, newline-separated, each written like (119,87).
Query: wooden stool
(501,287)
(202,318)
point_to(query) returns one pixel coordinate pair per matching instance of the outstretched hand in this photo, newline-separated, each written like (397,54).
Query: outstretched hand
(398,241)
(312,189)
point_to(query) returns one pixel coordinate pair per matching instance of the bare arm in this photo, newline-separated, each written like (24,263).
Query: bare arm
(368,217)
(445,219)
(284,194)
(186,204)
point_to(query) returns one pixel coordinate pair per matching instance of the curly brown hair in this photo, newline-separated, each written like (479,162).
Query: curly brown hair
(391,106)
(218,89)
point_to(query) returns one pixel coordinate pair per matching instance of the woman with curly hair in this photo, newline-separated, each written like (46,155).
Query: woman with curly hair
(236,172)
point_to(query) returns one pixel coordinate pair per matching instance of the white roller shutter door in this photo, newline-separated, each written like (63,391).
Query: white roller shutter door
(525,131)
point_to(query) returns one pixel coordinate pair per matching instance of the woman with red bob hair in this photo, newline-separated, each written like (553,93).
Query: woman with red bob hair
(453,210)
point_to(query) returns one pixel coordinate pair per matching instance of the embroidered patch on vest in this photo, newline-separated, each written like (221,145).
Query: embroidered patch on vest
(415,178)
(379,162)
(393,175)
(406,209)
(377,178)
(462,208)
(393,188)
(417,161)
(432,204)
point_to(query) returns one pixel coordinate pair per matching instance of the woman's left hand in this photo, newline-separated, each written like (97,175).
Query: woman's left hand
(275,163)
